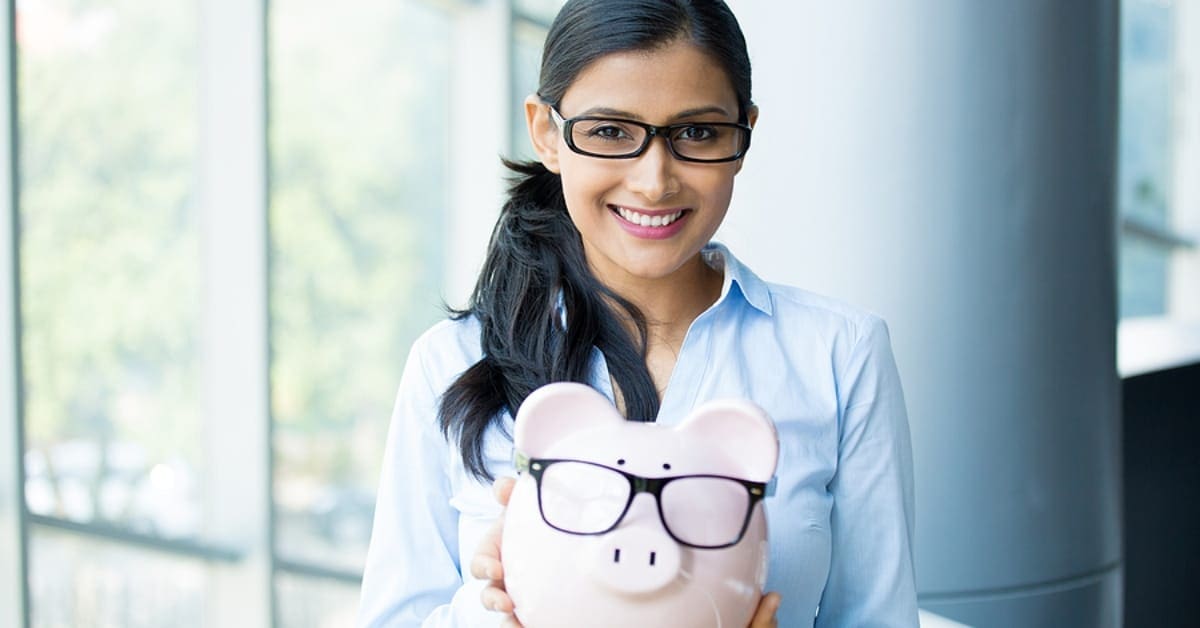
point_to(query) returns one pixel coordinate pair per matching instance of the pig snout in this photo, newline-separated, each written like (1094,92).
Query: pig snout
(637,557)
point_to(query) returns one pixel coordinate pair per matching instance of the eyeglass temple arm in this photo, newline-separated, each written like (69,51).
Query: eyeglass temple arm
(520,460)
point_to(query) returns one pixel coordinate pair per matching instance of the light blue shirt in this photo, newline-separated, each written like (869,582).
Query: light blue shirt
(840,523)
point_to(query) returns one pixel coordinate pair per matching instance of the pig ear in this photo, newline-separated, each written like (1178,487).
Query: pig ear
(558,409)
(743,430)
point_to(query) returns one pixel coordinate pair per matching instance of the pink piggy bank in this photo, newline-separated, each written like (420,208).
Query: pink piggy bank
(619,523)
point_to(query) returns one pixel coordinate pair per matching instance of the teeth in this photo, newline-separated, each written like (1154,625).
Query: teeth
(648,221)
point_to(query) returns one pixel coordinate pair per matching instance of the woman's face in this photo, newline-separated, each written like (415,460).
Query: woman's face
(606,198)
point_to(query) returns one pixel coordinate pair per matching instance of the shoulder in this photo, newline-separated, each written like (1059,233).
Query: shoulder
(794,306)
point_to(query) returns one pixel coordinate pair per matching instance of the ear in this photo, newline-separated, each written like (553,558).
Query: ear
(751,119)
(744,431)
(556,410)
(543,133)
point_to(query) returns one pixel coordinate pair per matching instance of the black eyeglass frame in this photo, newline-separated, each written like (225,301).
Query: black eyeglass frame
(565,125)
(654,486)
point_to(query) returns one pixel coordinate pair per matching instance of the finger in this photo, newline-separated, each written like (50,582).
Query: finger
(485,563)
(502,488)
(496,599)
(764,617)
(486,567)
(511,622)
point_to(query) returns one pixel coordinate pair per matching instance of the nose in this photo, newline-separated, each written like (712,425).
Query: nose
(638,556)
(652,174)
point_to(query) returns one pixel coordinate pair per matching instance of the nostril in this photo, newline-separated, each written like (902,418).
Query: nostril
(651,559)
(616,555)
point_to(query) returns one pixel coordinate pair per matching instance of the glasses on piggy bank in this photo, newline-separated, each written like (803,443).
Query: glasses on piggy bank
(588,498)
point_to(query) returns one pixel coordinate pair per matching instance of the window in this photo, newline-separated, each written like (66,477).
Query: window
(530,21)
(214,311)
(1157,201)
(110,305)
(359,151)
(1158,194)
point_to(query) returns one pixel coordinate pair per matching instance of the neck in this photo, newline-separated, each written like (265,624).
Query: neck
(671,303)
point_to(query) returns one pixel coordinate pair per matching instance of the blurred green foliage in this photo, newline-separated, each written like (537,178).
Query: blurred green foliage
(359,159)
(111,269)
(108,239)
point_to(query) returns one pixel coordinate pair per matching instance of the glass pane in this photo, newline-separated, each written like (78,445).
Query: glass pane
(527,64)
(359,135)
(78,582)
(1147,63)
(109,261)
(543,10)
(315,603)
(1143,277)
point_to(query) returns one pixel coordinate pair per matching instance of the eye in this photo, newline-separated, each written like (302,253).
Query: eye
(697,133)
(605,131)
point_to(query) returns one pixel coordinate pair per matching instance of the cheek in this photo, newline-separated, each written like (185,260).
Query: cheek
(586,184)
(716,191)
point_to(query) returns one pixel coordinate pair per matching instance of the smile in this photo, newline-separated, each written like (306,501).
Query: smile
(646,220)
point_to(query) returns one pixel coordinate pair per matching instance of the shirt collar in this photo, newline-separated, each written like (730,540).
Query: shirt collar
(752,288)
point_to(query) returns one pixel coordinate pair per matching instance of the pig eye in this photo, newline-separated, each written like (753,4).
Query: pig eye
(667,466)
(620,461)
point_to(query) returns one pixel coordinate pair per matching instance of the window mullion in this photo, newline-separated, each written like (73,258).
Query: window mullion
(477,135)
(232,202)
(13,588)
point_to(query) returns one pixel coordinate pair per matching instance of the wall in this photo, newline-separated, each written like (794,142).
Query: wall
(1162,497)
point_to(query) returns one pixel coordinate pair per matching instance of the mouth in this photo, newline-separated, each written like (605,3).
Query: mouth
(646,218)
(650,224)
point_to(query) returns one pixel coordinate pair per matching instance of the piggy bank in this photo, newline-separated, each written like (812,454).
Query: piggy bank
(620,523)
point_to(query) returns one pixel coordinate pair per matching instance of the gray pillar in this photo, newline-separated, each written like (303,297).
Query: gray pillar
(950,165)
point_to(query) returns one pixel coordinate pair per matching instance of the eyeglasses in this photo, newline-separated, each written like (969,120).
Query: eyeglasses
(618,138)
(586,498)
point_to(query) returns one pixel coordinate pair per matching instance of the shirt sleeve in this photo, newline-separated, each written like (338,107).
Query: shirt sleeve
(871,581)
(412,575)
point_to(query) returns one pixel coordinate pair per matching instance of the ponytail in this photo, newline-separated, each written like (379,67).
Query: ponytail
(534,262)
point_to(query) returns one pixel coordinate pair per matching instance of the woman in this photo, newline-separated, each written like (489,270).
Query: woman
(601,271)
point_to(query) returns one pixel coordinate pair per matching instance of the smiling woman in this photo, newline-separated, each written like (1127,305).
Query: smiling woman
(602,270)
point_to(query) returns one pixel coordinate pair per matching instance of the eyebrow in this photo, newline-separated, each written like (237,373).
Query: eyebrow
(687,113)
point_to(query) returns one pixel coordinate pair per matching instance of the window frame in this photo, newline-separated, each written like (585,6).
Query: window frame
(233,189)
(14,591)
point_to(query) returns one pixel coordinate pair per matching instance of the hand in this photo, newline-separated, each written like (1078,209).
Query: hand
(485,564)
(764,617)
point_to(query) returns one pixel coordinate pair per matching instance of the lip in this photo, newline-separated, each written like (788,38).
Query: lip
(651,233)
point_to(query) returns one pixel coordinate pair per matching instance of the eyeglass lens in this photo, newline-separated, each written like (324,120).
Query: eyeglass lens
(585,498)
(615,138)
(582,498)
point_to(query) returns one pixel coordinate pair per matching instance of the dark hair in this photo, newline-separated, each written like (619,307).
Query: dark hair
(540,309)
